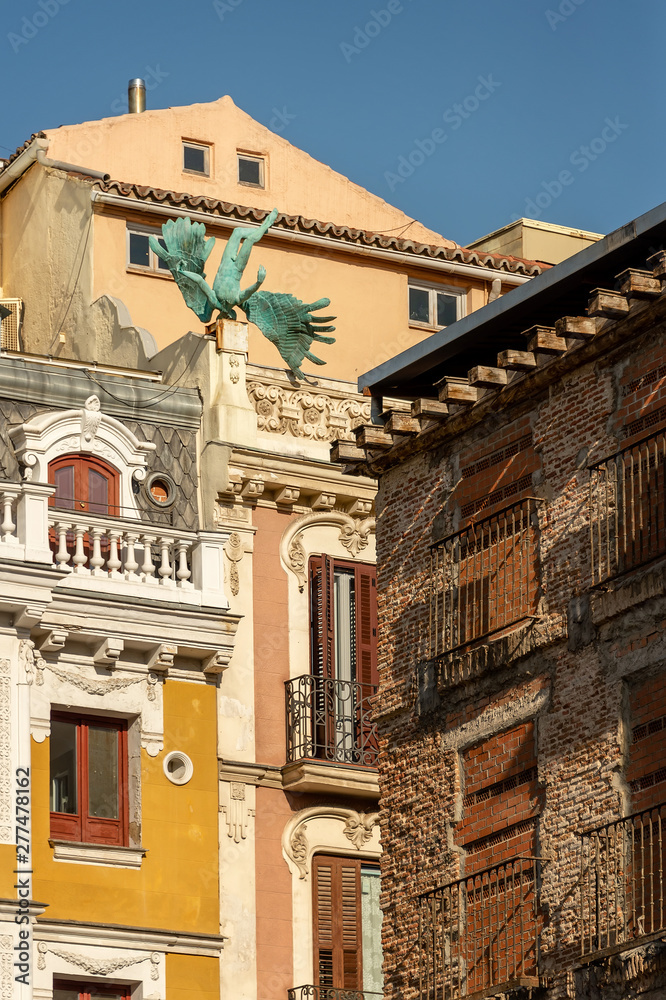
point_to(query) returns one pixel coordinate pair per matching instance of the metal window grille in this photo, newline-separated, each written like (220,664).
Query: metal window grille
(622,882)
(484,578)
(480,933)
(627,508)
(329,993)
(11,325)
(330,720)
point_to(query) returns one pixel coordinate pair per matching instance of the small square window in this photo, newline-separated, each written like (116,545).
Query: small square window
(434,307)
(196,158)
(251,170)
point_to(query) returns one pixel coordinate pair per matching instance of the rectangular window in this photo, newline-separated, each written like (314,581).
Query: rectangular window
(347,924)
(435,307)
(88,779)
(251,170)
(196,158)
(139,253)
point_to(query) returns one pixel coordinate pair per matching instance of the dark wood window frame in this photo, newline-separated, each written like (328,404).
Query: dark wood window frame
(79,827)
(82,465)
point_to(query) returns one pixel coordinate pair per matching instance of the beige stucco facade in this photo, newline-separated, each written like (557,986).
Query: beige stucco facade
(535,240)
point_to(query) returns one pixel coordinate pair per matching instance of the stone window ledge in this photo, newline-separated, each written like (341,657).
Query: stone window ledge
(107,855)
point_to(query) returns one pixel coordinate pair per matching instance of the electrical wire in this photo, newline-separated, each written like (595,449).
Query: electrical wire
(170,389)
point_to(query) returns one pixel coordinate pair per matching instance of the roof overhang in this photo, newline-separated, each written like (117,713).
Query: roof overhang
(562,290)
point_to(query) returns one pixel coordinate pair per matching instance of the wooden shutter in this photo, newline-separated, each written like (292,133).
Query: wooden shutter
(321,617)
(337,922)
(366,625)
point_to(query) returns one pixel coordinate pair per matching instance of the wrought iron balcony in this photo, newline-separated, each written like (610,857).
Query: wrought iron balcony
(330,720)
(480,934)
(628,508)
(329,993)
(622,883)
(483,579)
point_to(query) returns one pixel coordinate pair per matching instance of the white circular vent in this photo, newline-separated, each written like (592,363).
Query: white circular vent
(178,767)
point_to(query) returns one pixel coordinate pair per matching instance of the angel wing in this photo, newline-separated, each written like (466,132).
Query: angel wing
(290,325)
(187,250)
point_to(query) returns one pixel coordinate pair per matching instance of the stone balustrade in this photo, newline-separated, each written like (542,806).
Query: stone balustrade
(99,552)
(110,548)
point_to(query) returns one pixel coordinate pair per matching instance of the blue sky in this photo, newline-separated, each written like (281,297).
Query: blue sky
(464,114)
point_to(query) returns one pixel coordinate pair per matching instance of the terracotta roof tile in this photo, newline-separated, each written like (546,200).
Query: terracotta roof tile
(17,152)
(361,237)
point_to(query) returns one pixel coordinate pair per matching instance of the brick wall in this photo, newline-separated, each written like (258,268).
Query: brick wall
(532,726)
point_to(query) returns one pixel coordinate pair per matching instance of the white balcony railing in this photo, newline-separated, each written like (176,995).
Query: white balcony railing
(98,552)
(115,549)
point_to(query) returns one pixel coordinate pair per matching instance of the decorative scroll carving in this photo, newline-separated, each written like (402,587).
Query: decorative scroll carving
(6,967)
(297,559)
(299,850)
(319,416)
(5,753)
(31,662)
(97,966)
(234,552)
(237,813)
(358,827)
(354,536)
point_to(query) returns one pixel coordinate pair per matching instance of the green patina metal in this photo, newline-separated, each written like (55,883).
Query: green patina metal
(286,321)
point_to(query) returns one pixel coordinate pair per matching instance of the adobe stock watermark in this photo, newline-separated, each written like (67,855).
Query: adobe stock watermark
(581,158)
(281,119)
(30,26)
(454,117)
(363,35)
(224,7)
(563,12)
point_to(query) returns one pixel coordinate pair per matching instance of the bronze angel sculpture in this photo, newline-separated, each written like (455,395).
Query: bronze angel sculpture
(283,319)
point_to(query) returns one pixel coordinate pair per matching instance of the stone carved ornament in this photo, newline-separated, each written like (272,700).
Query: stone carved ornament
(357,828)
(6,832)
(234,552)
(237,813)
(317,416)
(6,967)
(97,966)
(354,536)
(34,665)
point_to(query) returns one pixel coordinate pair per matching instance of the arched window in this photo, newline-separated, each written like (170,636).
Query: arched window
(84,484)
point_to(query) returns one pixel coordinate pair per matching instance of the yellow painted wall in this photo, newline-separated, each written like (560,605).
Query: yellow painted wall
(147,149)
(368,297)
(177,885)
(189,976)
(7,876)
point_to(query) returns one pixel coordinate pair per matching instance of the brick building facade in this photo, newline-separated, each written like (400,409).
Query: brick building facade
(522,658)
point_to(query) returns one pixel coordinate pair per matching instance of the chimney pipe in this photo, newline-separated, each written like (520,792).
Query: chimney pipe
(136,95)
